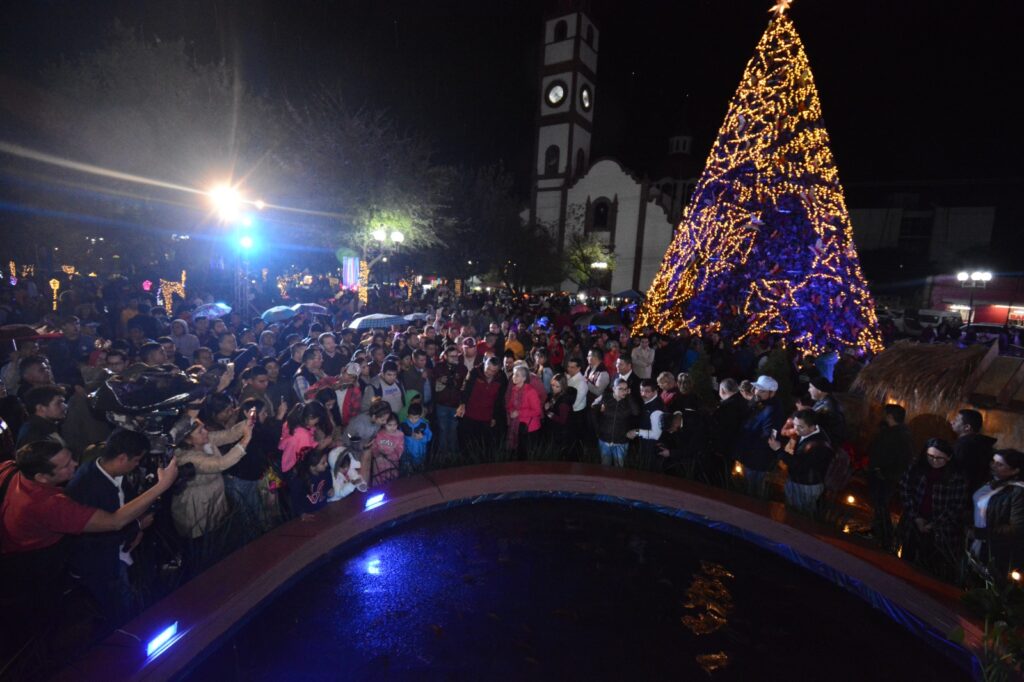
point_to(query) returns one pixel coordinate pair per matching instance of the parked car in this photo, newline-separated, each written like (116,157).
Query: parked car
(916,320)
(981,332)
(896,315)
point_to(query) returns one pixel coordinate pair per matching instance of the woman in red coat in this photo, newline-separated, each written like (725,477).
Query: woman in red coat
(524,412)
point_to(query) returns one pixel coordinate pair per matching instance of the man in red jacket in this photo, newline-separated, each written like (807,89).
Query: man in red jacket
(482,409)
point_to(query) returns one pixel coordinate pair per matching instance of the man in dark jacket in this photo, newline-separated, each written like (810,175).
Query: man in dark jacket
(889,455)
(728,418)
(100,561)
(449,376)
(615,414)
(652,422)
(833,421)
(808,463)
(482,409)
(972,451)
(751,447)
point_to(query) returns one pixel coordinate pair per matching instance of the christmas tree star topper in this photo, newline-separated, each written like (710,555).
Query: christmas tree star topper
(780,7)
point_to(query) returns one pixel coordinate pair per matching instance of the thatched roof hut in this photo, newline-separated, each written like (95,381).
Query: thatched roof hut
(933,381)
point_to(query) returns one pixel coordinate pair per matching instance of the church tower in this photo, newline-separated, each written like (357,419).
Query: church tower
(565,115)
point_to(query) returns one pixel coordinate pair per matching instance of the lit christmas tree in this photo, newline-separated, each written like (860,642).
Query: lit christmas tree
(765,247)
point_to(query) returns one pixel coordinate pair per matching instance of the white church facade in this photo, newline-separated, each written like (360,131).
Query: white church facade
(601,199)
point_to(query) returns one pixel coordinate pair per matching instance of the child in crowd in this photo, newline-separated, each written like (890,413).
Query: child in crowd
(345,471)
(310,488)
(417,439)
(299,432)
(386,452)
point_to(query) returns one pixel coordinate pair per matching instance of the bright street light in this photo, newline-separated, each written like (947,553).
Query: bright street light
(962,276)
(599,265)
(227,201)
(397,237)
(380,235)
(246,242)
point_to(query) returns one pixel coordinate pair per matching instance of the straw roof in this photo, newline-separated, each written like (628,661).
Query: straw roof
(935,378)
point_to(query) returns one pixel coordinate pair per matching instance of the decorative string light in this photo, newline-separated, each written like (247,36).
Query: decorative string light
(55,285)
(13,269)
(168,288)
(765,246)
(364,282)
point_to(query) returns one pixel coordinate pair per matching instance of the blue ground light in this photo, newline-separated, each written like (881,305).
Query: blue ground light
(572,589)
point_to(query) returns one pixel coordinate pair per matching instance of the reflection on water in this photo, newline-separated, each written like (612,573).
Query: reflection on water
(710,601)
(540,589)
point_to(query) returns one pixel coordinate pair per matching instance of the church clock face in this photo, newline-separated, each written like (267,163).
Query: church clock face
(555,93)
(586,98)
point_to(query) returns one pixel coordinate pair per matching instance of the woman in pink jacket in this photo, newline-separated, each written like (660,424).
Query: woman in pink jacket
(524,412)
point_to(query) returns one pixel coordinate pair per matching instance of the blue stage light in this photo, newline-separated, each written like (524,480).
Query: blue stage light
(374,501)
(161,642)
(373,566)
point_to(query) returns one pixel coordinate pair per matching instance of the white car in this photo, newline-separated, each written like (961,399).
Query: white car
(915,321)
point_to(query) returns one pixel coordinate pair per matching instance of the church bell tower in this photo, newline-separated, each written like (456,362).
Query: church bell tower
(565,115)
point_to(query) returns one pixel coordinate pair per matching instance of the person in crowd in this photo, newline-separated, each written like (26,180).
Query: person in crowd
(417,439)
(833,420)
(687,398)
(596,375)
(200,508)
(747,391)
(345,466)
(312,485)
(241,481)
(889,455)
(267,344)
(100,561)
(512,343)
(523,405)
(69,351)
(998,535)
(807,459)
(184,341)
(934,494)
(643,358)
(751,445)
(541,368)
(227,346)
(385,386)
(624,371)
(34,371)
(972,450)
(278,389)
(385,453)
(615,416)
(117,361)
(668,391)
(449,377)
(36,518)
(481,409)
(559,409)
(728,418)
(290,363)
(171,353)
(46,410)
(333,360)
(417,378)
(299,432)
(255,382)
(309,373)
(203,357)
(651,423)
(348,395)
(556,353)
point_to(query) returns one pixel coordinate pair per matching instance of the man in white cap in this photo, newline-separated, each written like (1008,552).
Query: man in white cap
(752,449)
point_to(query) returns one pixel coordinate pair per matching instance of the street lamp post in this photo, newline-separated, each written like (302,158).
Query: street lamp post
(972,281)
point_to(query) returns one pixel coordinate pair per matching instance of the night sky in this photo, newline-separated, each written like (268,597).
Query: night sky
(911,89)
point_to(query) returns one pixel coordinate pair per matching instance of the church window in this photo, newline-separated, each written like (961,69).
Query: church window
(580,162)
(552,157)
(561,30)
(602,215)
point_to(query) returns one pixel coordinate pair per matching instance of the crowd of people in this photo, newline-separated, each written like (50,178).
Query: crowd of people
(307,411)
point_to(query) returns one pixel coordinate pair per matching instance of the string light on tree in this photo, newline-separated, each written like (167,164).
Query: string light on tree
(364,282)
(55,285)
(168,288)
(765,247)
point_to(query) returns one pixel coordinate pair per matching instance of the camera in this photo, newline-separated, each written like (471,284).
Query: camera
(150,402)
